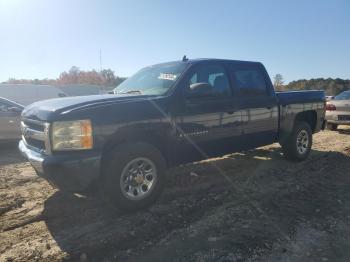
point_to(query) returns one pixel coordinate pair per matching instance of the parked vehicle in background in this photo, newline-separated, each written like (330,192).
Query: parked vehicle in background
(10,120)
(338,110)
(328,98)
(26,94)
(162,116)
(80,89)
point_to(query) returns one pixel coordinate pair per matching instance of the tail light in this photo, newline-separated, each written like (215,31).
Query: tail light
(330,107)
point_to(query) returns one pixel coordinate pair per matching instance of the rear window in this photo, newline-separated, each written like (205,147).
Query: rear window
(343,96)
(249,81)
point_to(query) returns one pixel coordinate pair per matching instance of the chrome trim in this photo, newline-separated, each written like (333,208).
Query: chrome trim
(32,133)
(37,122)
(33,148)
(47,138)
(44,135)
(338,122)
(34,158)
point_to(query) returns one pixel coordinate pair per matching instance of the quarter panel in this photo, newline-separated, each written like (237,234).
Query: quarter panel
(288,114)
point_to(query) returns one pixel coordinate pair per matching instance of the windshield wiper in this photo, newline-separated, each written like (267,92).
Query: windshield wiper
(132,92)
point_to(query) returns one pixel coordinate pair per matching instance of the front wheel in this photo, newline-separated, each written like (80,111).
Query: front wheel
(298,145)
(134,176)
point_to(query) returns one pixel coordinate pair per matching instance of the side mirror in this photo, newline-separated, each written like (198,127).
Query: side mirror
(14,109)
(200,90)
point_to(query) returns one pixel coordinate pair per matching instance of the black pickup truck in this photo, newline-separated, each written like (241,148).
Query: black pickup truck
(165,115)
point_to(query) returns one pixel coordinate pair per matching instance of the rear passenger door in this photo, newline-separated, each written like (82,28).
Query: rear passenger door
(207,125)
(257,102)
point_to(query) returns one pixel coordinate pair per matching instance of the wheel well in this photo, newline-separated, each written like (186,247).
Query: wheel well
(126,138)
(308,116)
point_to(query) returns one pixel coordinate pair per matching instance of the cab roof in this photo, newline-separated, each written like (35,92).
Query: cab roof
(203,60)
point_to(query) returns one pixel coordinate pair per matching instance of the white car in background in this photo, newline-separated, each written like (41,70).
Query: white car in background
(26,94)
(338,110)
(13,99)
(10,120)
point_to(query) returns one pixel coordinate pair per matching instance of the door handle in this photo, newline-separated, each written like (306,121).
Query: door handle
(268,107)
(230,112)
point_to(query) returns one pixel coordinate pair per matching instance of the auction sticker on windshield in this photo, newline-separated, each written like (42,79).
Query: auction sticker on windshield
(171,77)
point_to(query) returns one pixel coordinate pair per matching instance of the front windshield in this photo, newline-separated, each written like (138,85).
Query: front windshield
(153,80)
(343,96)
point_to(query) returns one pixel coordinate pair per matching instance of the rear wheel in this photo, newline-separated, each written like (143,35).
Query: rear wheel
(298,145)
(134,176)
(332,127)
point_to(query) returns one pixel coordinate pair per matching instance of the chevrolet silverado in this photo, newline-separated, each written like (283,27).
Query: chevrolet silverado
(165,115)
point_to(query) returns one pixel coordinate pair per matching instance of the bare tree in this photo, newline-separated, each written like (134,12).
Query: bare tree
(278,82)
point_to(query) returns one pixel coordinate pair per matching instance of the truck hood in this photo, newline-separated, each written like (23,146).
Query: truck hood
(44,110)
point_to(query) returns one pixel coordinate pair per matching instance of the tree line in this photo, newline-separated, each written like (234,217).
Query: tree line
(106,78)
(330,85)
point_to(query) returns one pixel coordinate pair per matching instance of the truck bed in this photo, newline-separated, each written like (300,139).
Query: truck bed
(297,97)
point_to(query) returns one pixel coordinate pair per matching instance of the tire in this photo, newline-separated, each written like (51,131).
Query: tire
(332,127)
(298,145)
(125,180)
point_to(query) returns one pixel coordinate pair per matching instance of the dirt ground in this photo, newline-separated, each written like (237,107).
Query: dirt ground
(251,206)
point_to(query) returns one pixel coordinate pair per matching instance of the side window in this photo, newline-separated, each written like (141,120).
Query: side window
(3,107)
(215,76)
(249,82)
(193,79)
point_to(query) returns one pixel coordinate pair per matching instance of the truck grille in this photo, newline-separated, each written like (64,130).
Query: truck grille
(35,134)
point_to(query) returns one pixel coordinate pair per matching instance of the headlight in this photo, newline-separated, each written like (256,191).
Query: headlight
(71,135)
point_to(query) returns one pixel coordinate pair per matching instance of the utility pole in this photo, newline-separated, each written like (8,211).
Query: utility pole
(100,60)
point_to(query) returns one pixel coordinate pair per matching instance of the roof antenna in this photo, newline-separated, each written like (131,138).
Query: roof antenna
(184,58)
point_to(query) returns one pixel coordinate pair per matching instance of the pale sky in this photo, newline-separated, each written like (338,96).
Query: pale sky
(298,39)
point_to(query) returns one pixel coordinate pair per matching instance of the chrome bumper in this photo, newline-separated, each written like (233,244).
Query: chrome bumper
(33,157)
(339,122)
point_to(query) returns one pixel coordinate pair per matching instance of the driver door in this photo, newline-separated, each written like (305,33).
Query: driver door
(207,125)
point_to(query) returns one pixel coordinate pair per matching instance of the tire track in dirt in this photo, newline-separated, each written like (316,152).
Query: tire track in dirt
(285,206)
(199,217)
